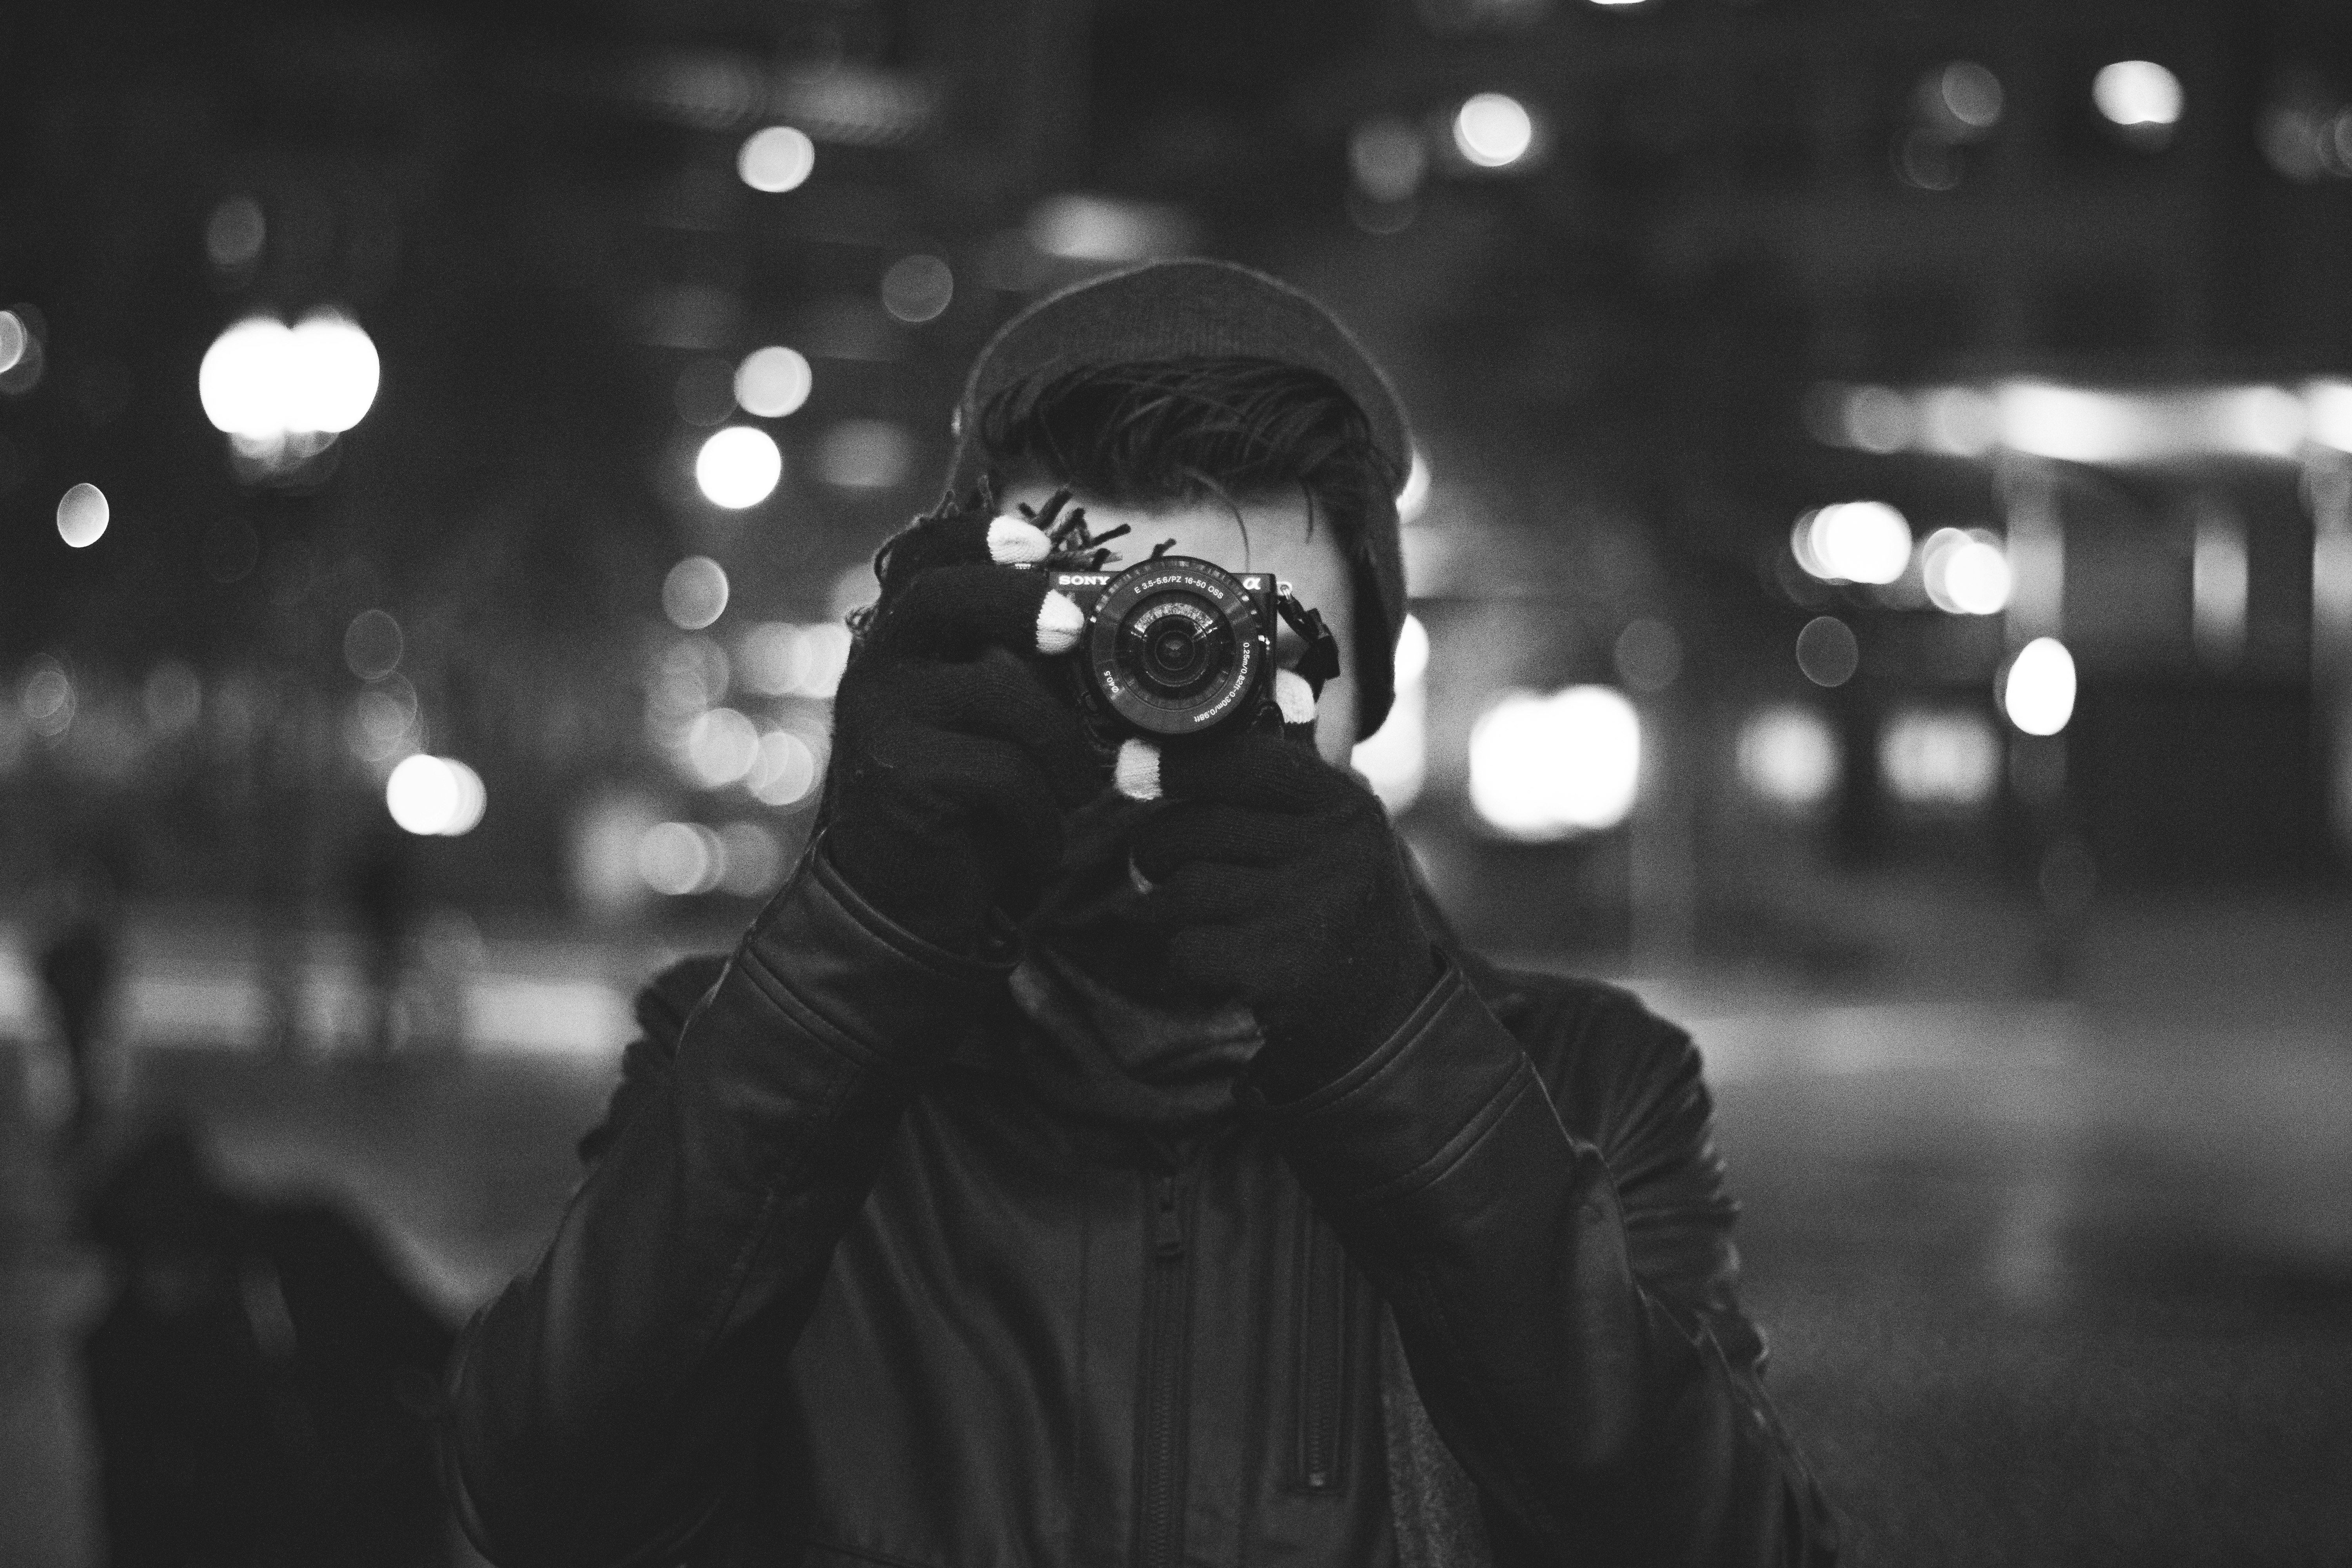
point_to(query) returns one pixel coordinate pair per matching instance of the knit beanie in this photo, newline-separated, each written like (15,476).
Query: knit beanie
(1204,308)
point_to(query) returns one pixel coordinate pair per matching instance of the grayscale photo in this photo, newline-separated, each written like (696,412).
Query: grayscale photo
(1175,783)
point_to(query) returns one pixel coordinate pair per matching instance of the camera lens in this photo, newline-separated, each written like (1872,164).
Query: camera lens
(1173,651)
(1176,646)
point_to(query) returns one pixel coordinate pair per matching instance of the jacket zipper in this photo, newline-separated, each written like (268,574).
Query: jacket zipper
(1323,1340)
(1160,1489)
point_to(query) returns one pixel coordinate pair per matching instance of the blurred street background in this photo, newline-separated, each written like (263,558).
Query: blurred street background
(1881,562)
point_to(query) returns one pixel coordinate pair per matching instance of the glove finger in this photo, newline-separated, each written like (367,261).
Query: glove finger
(1221,960)
(1250,767)
(1190,831)
(953,612)
(998,789)
(1001,697)
(1205,893)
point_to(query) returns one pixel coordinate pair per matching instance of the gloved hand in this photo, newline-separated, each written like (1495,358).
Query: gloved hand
(1277,879)
(952,758)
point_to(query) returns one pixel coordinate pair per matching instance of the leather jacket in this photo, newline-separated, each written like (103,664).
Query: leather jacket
(838,1289)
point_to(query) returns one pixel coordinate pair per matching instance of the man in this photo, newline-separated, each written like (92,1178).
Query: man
(1069,1174)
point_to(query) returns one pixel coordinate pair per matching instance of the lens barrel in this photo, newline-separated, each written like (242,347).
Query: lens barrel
(1177,645)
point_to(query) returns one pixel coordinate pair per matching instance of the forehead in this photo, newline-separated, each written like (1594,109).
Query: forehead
(1277,533)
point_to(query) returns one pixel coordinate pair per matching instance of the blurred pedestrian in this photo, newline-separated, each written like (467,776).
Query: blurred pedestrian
(261,1383)
(77,969)
(379,880)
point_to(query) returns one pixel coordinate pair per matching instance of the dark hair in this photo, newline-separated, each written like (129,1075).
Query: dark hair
(1158,432)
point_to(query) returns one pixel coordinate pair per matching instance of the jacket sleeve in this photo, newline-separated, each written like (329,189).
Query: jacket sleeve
(1566,1304)
(599,1405)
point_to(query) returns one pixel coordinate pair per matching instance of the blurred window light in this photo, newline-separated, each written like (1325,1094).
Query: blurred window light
(1545,767)
(47,699)
(235,234)
(1852,541)
(681,859)
(865,453)
(753,859)
(434,796)
(1649,656)
(918,288)
(776,159)
(12,340)
(82,516)
(773,382)
(1957,421)
(1878,419)
(2328,414)
(722,748)
(173,697)
(2037,691)
(1940,759)
(786,771)
(1493,129)
(1394,758)
(1790,756)
(263,380)
(1386,156)
(694,593)
(1965,572)
(738,467)
(1077,227)
(2136,92)
(2216,585)
(1827,653)
(2079,426)
(1413,498)
(373,645)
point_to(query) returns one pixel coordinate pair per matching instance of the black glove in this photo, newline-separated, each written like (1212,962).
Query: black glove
(1276,879)
(953,759)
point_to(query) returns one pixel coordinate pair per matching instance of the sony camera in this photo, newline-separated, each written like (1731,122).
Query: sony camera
(1176,646)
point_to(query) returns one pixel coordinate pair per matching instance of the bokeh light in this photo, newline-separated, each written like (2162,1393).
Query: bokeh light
(2038,691)
(722,748)
(82,516)
(1965,572)
(1940,759)
(773,382)
(694,594)
(681,859)
(1970,94)
(751,859)
(263,380)
(47,699)
(786,771)
(1852,541)
(739,467)
(1493,129)
(12,340)
(234,234)
(1827,653)
(776,159)
(918,288)
(1649,656)
(2137,92)
(1387,158)
(1545,767)
(1790,756)
(373,645)
(865,454)
(434,796)
(779,659)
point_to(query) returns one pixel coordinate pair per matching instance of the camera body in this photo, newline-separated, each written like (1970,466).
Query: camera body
(1173,647)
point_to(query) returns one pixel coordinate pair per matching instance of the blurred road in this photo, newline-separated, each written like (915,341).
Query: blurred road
(2062,1282)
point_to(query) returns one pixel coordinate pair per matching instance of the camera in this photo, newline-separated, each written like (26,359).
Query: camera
(1176,646)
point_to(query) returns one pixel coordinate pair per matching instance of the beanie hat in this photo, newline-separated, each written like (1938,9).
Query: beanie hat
(1202,308)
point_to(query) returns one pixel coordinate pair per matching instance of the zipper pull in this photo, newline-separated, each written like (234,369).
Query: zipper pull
(1167,1221)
